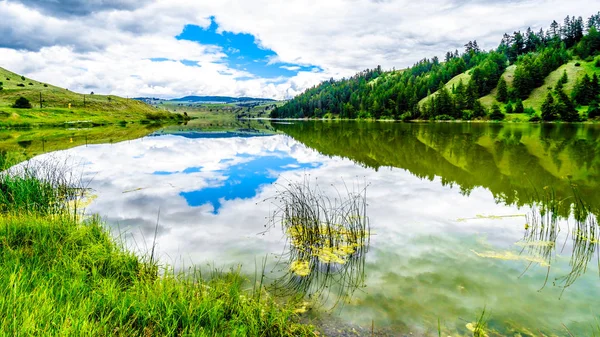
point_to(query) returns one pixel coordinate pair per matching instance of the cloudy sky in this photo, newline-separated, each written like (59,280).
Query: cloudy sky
(262,48)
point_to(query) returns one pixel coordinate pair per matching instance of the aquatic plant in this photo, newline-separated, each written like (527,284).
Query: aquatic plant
(327,239)
(543,228)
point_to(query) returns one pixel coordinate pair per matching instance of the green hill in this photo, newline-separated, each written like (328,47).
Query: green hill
(530,63)
(60,106)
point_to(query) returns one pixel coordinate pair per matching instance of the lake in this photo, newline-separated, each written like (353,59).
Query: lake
(463,217)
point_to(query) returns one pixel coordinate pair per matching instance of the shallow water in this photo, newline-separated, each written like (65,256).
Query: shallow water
(447,205)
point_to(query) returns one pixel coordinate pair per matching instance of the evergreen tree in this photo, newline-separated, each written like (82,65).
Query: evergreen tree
(478,110)
(509,108)
(519,109)
(593,110)
(502,95)
(496,114)
(548,109)
(566,108)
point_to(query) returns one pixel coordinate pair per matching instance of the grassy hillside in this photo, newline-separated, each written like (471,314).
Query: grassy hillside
(464,77)
(538,95)
(59,106)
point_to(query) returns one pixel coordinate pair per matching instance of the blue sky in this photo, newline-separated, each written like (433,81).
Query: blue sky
(243,52)
(244,180)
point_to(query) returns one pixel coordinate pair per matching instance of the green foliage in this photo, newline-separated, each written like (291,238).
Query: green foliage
(586,90)
(535,118)
(529,111)
(22,78)
(396,93)
(22,103)
(496,114)
(519,109)
(549,112)
(502,95)
(509,108)
(593,110)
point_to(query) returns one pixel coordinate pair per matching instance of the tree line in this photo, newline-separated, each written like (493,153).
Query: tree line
(396,94)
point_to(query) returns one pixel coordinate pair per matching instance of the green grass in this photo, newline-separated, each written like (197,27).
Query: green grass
(465,77)
(490,99)
(61,276)
(538,95)
(59,106)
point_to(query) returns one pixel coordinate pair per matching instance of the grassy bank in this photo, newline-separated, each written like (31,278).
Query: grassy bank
(60,276)
(51,105)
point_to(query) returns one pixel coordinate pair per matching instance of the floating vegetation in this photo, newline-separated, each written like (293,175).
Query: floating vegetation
(511,256)
(492,217)
(327,239)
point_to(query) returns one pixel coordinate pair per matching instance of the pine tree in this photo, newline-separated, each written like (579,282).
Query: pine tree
(548,108)
(566,108)
(509,108)
(519,109)
(502,95)
(496,114)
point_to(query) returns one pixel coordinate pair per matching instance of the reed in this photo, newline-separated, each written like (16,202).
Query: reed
(327,240)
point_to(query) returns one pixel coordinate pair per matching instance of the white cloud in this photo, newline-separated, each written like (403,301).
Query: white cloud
(107,49)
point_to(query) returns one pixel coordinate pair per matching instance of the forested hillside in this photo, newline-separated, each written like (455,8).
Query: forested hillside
(475,84)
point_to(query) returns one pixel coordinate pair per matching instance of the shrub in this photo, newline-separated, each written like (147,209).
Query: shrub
(21,85)
(444,118)
(22,103)
(597,64)
(22,78)
(509,108)
(405,117)
(30,83)
(578,64)
(8,79)
(593,111)
(467,115)
(496,114)
(535,118)
(529,111)
(45,85)
(519,109)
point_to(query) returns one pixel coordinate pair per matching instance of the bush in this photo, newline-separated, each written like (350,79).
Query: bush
(578,64)
(405,117)
(509,108)
(519,109)
(597,64)
(21,85)
(467,115)
(30,83)
(535,118)
(45,85)
(22,78)
(496,114)
(593,111)
(22,103)
(529,111)
(444,118)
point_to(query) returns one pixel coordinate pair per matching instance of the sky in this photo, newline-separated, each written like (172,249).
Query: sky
(257,48)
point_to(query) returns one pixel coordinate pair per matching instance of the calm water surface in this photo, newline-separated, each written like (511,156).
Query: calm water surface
(447,204)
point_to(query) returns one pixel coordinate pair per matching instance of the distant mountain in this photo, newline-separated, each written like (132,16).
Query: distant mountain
(207,99)
(219,99)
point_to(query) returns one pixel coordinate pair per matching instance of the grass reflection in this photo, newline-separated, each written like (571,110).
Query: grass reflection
(327,239)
